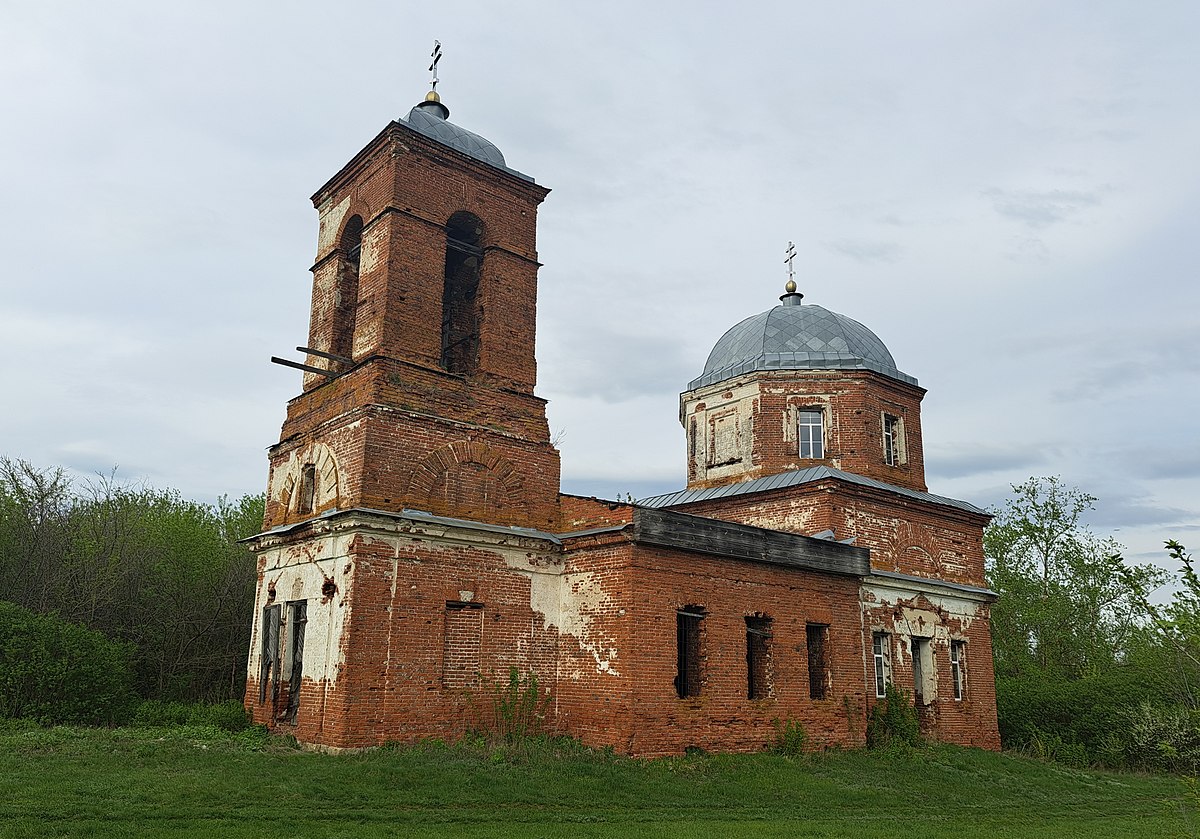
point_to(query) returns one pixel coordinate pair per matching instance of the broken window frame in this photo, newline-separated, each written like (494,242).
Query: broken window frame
(268,673)
(893,440)
(810,433)
(958,663)
(816,642)
(881,652)
(297,619)
(758,657)
(689,676)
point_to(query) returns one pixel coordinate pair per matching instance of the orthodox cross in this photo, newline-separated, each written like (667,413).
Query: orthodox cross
(791,255)
(437,56)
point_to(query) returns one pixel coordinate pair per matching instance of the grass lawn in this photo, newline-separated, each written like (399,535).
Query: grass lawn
(202,782)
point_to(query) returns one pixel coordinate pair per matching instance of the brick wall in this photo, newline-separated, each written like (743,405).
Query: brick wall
(763,405)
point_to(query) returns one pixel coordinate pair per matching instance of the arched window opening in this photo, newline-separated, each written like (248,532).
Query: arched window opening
(460,296)
(308,489)
(345,295)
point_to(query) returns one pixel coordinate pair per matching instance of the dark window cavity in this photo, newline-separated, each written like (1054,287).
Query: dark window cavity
(268,674)
(817,635)
(688,621)
(758,657)
(345,295)
(308,489)
(296,620)
(461,311)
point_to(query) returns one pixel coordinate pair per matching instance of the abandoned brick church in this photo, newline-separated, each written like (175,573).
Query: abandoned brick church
(417,548)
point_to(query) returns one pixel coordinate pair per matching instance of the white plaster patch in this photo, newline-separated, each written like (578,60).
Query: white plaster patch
(331,216)
(569,603)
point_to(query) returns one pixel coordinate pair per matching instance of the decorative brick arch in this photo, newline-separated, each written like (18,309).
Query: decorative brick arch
(328,490)
(467,477)
(916,539)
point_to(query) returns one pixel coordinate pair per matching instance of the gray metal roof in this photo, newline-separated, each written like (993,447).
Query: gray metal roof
(797,337)
(428,119)
(798,478)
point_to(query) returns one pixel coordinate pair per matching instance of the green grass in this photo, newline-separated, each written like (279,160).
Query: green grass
(204,782)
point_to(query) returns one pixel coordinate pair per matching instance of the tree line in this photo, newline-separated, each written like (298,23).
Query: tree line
(161,577)
(111,590)
(1090,667)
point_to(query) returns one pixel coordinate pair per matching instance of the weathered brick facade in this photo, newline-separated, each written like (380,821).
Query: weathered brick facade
(417,550)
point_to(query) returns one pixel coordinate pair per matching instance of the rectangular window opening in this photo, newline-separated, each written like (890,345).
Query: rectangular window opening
(463,644)
(297,619)
(881,651)
(958,662)
(817,635)
(687,634)
(924,678)
(810,433)
(893,440)
(268,674)
(308,488)
(758,657)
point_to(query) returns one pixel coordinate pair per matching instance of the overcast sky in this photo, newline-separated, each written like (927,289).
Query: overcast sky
(1007,193)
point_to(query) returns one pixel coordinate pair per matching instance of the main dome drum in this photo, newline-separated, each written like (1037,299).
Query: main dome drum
(792,336)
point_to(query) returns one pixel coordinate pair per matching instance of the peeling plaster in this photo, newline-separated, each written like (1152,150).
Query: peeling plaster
(331,217)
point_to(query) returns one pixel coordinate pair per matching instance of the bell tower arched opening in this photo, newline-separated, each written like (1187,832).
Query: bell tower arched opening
(345,295)
(461,312)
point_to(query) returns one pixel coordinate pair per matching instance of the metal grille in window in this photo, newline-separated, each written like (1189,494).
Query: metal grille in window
(687,632)
(810,433)
(818,666)
(758,657)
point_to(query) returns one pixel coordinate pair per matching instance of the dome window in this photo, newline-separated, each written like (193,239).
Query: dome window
(810,431)
(893,440)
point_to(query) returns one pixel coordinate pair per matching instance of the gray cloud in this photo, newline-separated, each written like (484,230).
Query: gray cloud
(1040,209)
(865,250)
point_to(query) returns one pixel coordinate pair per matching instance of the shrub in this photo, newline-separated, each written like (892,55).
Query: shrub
(1077,721)
(227,716)
(1164,739)
(893,721)
(518,709)
(55,672)
(790,738)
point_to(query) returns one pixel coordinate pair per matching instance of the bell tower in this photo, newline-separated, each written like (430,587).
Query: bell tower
(419,384)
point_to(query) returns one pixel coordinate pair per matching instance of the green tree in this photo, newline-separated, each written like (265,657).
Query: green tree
(140,565)
(1068,603)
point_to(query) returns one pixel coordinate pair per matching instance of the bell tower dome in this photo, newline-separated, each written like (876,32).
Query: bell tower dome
(419,392)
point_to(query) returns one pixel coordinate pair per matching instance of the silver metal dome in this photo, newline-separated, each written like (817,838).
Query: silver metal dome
(429,118)
(796,337)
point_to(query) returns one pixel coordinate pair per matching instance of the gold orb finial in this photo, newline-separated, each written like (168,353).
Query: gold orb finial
(790,287)
(432,96)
